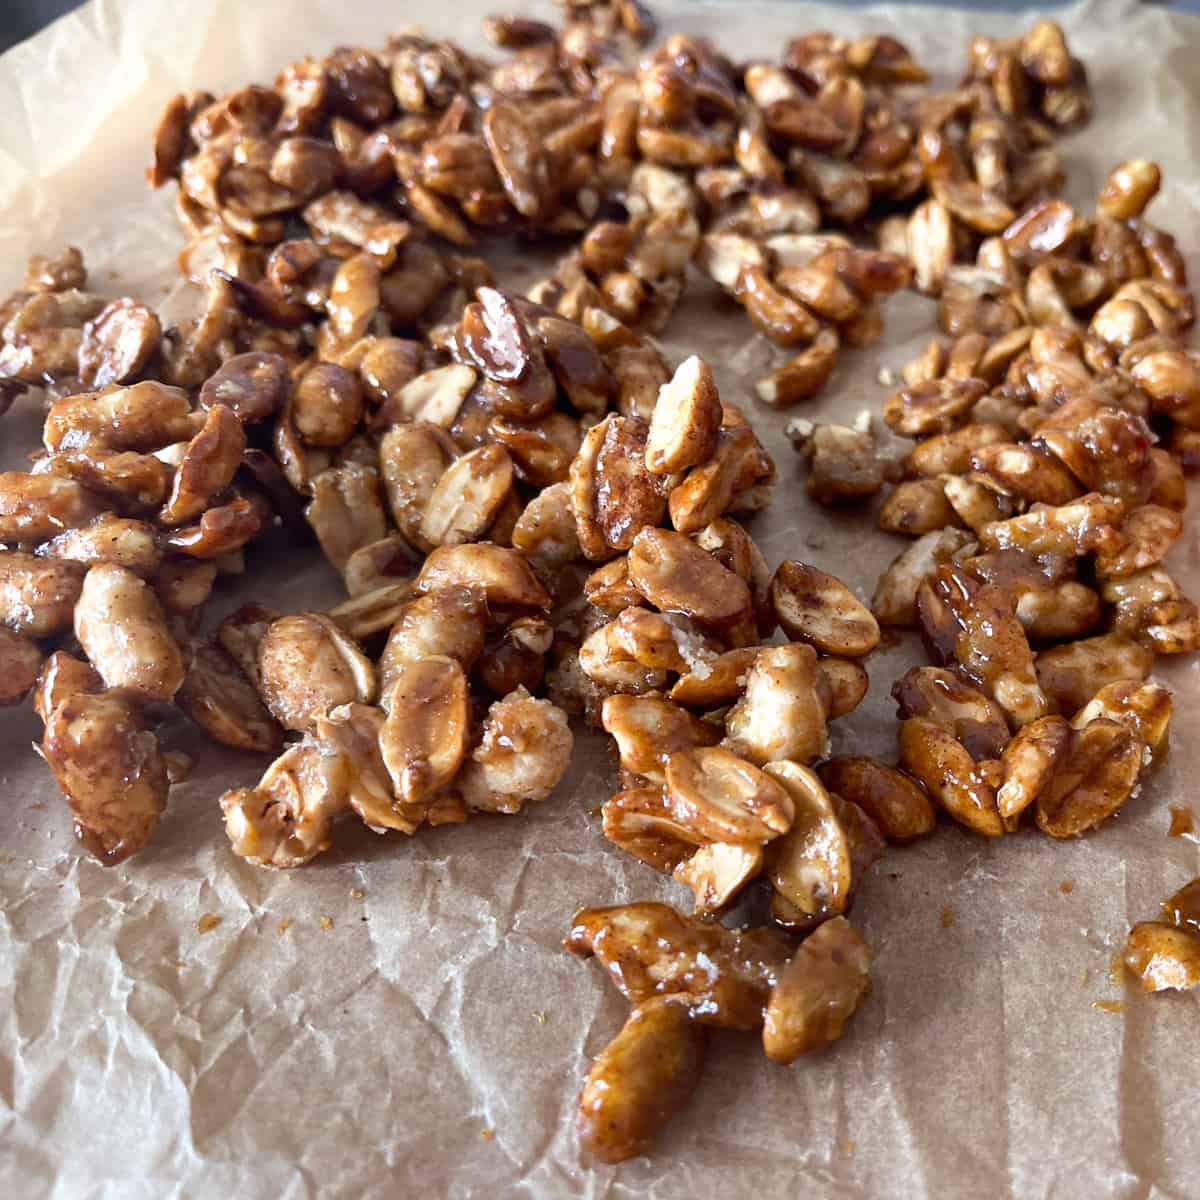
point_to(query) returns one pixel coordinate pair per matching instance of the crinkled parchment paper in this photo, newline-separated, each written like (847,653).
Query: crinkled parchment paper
(432,1040)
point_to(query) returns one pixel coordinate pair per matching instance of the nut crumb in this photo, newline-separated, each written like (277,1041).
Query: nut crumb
(540,1017)
(1183,821)
(207,923)
(1066,887)
(1109,1006)
(947,916)
(282,927)
(886,377)
(326,922)
(487,1135)
(848,1146)
(357,893)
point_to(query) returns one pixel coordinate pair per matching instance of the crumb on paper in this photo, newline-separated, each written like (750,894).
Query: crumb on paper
(540,1017)
(326,922)
(207,923)
(848,1146)
(487,1135)
(357,893)
(1066,887)
(862,421)
(1183,821)
(282,927)
(1109,1006)
(886,377)
(947,916)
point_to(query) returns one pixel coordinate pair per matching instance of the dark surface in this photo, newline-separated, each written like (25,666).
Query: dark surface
(20,19)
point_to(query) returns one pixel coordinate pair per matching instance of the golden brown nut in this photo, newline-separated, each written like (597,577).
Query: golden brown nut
(1097,776)
(963,711)
(1071,674)
(723,484)
(36,507)
(724,798)
(810,866)
(1143,708)
(917,507)
(843,464)
(1028,765)
(38,596)
(717,872)
(307,666)
(687,417)
(503,575)
(1183,908)
(894,802)
(223,702)
(718,683)
(122,629)
(895,599)
(817,992)
(648,730)
(676,575)
(425,736)
(524,750)
(950,775)
(1161,956)
(724,977)
(109,767)
(20,666)
(1130,186)
(467,499)
(640,1080)
(62,676)
(781,714)
(814,607)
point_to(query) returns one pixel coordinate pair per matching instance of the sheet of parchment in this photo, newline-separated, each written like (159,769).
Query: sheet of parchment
(432,1040)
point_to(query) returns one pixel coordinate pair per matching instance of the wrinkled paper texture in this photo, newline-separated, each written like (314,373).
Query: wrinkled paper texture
(432,1040)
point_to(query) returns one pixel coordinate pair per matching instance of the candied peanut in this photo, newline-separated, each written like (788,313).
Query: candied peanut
(1027,472)
(545,532)
(122,629)
(723,976)
(817,608)
(717,872)
(223,529)
(518,657)
(810,865)
(894,802)
(120,540)
(1130,186)
(640,822)
(723,255)
(930,244)
(425,737)
(781,318)
(503,575)
(117,343)
(109,767)
(346,512)
(1081,527)
(601,659)
(951,453)
(308,666)
(1171,378)
(62,676)
(286,820)
(1065,610)
(977,499)
(802,376)
(327,405)
(780,714)
(36,507)
(963,711)
(1097,776)
(37,596)
(467,498)
(640,1080)
(20,666)
(992,647)
(1149,532)
(687,417)
(916,507)
(932,407)
(1072,674)
(523,752)
(724,798)
(739,462)
(1142,708)
(223,702)
(240,635)
(648,730)
(449,622)
(412,459)
(842,684)
(209,464)
(436,395)
(843,464)
(895,599)
(613,493)
(1183,908)
(1028,765)
(1162,956)
(676,575)
(949,774)
(143,417)
(818,991)
(666,642)
(710,685)
(253,385)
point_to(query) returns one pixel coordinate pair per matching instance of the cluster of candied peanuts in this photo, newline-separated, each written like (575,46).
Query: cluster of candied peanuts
(518,492)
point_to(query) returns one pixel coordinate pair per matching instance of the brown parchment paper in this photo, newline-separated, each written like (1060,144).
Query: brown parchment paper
(432,1041)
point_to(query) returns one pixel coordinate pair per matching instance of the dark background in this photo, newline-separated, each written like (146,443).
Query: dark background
(21,18)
